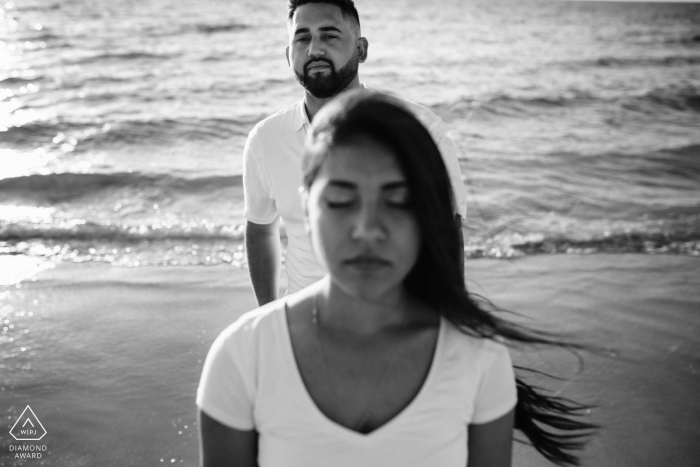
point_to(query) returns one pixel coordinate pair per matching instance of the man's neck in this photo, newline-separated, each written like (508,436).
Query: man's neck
(314,104)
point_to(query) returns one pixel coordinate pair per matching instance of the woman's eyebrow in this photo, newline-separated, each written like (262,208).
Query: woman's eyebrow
(342,184)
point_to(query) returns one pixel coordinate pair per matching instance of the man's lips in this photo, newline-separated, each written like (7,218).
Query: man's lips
(318,65)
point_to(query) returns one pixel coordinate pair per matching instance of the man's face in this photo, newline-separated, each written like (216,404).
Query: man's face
(325,49)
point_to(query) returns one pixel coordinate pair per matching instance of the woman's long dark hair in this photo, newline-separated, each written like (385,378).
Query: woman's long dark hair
(550,423)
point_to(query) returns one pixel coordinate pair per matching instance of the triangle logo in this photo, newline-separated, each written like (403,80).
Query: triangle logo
(28,427)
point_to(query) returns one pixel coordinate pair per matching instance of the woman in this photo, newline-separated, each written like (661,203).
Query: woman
(388,360)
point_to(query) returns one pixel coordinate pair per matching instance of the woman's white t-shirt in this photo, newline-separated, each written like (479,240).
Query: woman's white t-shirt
(251,381)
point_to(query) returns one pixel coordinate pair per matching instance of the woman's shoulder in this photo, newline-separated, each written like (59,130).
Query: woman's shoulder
(472,345)
(256,322)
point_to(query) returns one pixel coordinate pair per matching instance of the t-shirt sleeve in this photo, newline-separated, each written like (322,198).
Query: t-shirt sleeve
(227,386)
(260,206)
(497,393)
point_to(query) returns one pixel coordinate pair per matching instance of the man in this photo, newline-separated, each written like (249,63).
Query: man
(324,52)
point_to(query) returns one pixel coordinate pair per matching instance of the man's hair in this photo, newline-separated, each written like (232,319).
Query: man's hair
(346,6)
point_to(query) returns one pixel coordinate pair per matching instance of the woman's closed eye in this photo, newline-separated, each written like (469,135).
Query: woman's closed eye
(339,204)
(337,199)
(397,198)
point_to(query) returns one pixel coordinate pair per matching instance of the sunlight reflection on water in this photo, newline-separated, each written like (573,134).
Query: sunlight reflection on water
(17,268)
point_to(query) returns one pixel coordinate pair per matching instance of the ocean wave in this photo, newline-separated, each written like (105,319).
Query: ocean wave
(668,243)
(678,98)
(136,245)
(632,62)
(678,167)
(40,36)
(36,6)
(665,166)
(676,60)
(690,151)
(18,80)
(685,99)
(165,131)
(687,40)
(62,187)
(89,136)
(39,132)
(197,28)
(125,57)
(151,246)
(216,28)
(506,105)
(82,82)
(683,241)
(509,105)
(97,233)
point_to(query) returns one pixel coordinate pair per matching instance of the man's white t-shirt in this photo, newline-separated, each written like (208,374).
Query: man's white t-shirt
(251,381)
(272,176)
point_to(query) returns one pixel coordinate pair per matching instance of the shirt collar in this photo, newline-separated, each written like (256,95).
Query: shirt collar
(301,119)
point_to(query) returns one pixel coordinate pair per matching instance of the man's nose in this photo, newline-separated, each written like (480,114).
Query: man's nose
(368,226)
(316,48)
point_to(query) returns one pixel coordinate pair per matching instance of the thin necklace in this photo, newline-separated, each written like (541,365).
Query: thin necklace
(357,426)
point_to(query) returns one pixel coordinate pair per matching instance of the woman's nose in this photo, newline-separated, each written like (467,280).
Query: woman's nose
(368,226)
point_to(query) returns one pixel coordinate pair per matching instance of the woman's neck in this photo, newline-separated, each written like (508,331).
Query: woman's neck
(345,311)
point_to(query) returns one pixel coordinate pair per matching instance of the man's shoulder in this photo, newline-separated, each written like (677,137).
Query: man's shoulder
(279,121)
(427,116)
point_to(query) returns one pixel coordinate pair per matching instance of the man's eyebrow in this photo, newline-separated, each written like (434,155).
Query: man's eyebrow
(322,28)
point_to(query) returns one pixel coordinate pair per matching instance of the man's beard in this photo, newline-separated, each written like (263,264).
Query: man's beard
(324,86)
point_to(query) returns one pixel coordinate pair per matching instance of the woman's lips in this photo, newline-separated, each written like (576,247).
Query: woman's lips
(367,262)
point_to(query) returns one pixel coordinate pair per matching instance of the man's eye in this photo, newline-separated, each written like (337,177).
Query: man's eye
(329,37)
(302,39)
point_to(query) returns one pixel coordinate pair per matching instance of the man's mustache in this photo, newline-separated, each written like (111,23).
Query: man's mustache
(315,61)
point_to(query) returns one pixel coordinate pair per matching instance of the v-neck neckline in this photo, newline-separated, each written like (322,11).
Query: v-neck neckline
(349,432)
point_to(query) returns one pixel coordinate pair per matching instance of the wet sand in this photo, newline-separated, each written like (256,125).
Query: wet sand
(109,358)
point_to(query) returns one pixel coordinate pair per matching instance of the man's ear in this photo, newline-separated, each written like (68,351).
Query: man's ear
(286,54)
(363,47)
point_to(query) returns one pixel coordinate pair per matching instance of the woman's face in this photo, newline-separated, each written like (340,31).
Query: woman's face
(362,225)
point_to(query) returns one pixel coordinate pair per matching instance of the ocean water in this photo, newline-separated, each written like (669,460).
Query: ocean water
(122,123)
